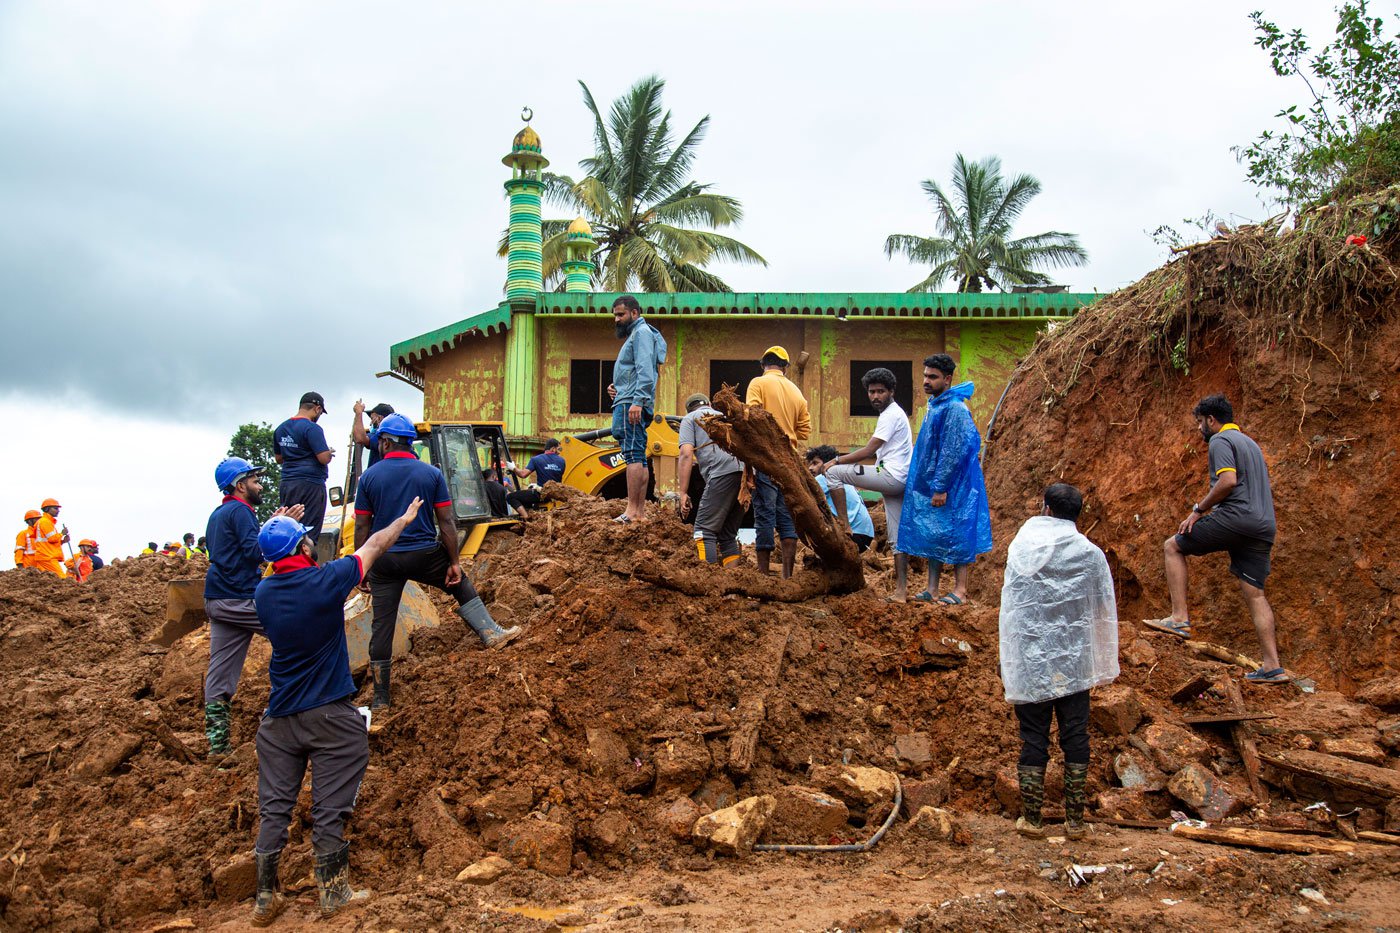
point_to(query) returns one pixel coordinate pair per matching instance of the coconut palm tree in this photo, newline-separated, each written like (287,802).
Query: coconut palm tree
(653,225)
(973,245)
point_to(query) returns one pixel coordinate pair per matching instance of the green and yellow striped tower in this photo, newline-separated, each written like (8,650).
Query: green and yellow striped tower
(579,247)
(524,269)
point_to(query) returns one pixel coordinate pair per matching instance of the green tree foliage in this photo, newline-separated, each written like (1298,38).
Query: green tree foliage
(974,246)
(1347,140)
(655,228)
(253,442)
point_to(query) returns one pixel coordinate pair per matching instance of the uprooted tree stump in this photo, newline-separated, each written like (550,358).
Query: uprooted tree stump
(751,434)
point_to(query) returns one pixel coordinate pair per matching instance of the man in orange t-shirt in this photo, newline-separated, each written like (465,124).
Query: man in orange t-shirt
(49,538)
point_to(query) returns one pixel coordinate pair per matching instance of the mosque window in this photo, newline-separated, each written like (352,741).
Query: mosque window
(733,372)
(588,387)
(903,391)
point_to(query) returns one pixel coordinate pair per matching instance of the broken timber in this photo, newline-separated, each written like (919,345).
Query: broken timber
(1226,719)
(1338,772)
(743,743)
(1192,688)
(1261,839)
(1243,735)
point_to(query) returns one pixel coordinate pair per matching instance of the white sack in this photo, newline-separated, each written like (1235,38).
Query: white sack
(1059,621)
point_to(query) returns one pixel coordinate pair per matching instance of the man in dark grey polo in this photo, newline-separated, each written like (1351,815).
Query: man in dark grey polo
(719,513)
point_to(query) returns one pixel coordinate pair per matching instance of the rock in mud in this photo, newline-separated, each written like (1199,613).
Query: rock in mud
(485,871)
(1173,748)
(914,749)
(105,753)
(927,793)
(679,818)
(550,576)
(1136,772)
(1129,804)
(237,878)
(805,815)
(864,787)
(611,832)
(538,844)
(938,823)
(1383,693)
(1115,710)
(1140,653)
(1366,752)
(1206,793)
(681,765)
(734,830)
(500,807)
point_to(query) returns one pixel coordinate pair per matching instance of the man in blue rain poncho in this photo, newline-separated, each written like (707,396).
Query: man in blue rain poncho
(1059,638)
(945,516)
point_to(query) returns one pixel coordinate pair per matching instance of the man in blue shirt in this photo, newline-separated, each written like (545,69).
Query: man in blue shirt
(633,392)
(369,438)
(858,523)
(427,552)
(311,716)
(299,445)
(233,575)
(547,466)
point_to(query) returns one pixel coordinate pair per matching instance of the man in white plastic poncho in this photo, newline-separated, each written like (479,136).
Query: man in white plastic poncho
(1059,638)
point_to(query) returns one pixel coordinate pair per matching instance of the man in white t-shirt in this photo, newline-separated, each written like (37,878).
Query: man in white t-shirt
(892,446)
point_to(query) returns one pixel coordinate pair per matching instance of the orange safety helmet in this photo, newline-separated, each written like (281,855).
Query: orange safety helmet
(33,514)
(87,542)
(49,502)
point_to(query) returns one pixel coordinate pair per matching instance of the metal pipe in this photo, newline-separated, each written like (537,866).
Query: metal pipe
(865,846)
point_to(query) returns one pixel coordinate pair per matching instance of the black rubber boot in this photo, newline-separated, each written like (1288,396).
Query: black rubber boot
(216,727)
(1032,781)
(269,901)
(380,671)
(333,882)
(1076,776)
(492,635)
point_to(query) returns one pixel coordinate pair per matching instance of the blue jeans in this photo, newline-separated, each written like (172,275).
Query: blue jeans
(631,437)
(770,512)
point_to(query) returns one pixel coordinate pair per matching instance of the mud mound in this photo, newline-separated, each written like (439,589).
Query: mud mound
(1300,331)
(586,749)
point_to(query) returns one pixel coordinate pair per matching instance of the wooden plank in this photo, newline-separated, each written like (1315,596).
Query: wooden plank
(1225,719)
(1339,772)
(1221,653)
(1242,734)
(1261,839)
(1192,688)
(1389,839)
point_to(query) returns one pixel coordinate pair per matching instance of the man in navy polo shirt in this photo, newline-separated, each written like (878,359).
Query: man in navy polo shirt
(548,467)
(368,438)
(311,715)
(427,552)
(233,575)
(299,445)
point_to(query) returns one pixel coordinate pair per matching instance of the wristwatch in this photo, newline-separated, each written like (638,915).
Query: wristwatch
(1197,508)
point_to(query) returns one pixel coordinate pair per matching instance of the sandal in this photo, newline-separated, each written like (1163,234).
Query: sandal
(924,597)
(623,519)
(1276,676)
(1170,626)
(950,599)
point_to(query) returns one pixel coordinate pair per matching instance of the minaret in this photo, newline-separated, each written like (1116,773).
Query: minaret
(578,266)
(524,269)
(524,280)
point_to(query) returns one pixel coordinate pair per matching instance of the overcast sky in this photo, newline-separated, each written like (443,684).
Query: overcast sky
(208,208)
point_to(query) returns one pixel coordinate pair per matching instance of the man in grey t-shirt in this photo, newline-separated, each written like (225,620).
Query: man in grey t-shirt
(1236,516)
(719,513)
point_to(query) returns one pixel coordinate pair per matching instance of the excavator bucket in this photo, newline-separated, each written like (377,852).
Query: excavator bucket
(184,611)
(416,612)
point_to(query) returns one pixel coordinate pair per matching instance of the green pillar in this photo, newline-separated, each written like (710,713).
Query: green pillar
(579,267)
(524,278)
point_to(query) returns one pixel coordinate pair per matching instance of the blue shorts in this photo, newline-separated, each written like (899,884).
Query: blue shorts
(631,437)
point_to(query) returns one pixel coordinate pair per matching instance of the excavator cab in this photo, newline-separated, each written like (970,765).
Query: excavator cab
(462,451)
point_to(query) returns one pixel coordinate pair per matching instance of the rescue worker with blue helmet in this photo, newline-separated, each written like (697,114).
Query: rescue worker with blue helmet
(427,553)
(311,716)
(234,570)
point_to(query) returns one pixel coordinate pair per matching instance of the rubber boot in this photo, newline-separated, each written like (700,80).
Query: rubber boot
(492,635)
(1076,776)
(216,728)
(269,901)
(762,558)
(789,552)
(379,670)
(333,882)
(1032,782)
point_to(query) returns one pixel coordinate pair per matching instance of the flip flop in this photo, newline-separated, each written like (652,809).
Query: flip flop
(1170,626)
(623,520)
(891,599)
(1276,676)
(924,597)
(950,599)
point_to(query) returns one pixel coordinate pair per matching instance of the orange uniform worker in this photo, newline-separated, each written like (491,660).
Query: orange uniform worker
(24,541)
(80,564)
(49,538)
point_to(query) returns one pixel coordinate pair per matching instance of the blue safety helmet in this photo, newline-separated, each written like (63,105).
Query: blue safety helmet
(280,536)
(399,427)
(232,469)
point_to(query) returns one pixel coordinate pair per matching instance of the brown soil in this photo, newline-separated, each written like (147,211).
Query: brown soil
(110,822)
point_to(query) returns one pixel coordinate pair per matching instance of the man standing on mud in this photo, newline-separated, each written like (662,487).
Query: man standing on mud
(49,538)
(427,552)
(633,393)
(1059,639)
(311,716)
(234,571)
(299,445)
(778,395)
(1236,516)
(719,513)
(945,517)
(892,446)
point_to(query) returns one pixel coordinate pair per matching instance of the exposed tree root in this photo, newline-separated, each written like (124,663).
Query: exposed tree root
(742,582)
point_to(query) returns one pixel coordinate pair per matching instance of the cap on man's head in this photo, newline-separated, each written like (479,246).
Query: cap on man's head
(696,400)
(779,352)
(383,410)
(313,398)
